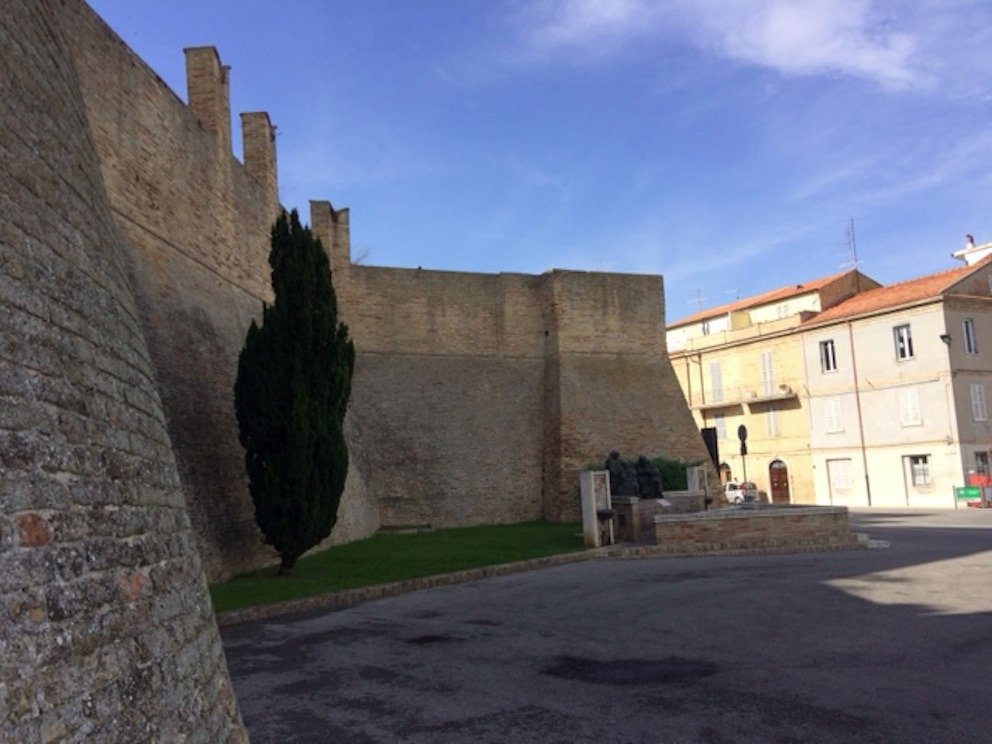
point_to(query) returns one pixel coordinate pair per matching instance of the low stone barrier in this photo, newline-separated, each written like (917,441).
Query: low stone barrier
(635,516)
(754,526)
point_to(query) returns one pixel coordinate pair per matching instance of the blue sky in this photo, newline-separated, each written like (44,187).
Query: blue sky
(725,144)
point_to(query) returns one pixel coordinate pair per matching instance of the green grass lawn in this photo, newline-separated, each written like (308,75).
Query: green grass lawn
(386,558)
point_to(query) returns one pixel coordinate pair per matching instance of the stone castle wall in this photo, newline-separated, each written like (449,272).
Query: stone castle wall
(196,223)
(476,398)
(484,395)
(107,630)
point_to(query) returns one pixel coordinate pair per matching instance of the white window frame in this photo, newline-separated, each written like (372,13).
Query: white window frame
(772,422)
(919,470)
(839,474)
(716,382)
(705,325)
(828,356)
(970,340)
(903,338)
(720,424)
(832,415)
(909,407)
(979,409)
(767,373)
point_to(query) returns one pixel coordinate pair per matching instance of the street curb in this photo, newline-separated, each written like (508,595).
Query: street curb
(351,597)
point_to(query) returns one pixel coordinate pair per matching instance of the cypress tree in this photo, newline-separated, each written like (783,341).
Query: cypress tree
(291,394)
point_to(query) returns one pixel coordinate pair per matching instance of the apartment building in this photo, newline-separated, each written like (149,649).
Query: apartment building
(851,392)
(742,364)
(896,386)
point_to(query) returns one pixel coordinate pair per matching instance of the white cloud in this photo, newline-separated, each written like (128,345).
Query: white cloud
(814,36)
(791,36)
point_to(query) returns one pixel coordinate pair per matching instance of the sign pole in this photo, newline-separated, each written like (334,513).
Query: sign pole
(742,435)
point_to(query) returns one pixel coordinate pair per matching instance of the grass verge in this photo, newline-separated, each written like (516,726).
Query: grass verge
(384,559)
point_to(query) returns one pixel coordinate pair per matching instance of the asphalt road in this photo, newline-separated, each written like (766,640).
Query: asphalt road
(884,645)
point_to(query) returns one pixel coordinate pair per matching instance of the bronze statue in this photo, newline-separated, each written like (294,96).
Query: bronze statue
(623,481)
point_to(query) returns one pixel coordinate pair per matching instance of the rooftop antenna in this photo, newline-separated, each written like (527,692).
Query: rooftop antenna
(852,247)
(697,300)
(735,292)
(851,238)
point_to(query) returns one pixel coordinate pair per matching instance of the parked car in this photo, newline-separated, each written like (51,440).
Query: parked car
(737,492)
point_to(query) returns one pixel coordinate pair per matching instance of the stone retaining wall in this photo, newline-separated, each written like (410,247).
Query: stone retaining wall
(754,526)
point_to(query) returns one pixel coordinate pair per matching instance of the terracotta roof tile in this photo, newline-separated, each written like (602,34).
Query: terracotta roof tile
(782,293)
(893,295)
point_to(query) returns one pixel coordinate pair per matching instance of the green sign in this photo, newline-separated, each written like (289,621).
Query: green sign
(967,493)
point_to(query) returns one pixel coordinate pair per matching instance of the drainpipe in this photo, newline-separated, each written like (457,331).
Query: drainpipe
(857,403)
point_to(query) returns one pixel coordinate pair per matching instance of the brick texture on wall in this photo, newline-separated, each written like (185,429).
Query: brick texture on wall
(477,398)
(107,630)
(482,396)
(196,224)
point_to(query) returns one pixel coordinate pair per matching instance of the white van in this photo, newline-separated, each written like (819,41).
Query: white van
(737,492)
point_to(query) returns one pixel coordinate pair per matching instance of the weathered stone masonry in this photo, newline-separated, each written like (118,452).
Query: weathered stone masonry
(196,226)
(481,396)
(106,630)
(134,254)
(476,397)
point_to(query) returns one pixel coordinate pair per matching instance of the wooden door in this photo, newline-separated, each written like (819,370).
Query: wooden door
(778,476)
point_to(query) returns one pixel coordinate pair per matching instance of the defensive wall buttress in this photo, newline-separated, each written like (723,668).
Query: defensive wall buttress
(106,628)
(134,256)
(476,397)
(481,396)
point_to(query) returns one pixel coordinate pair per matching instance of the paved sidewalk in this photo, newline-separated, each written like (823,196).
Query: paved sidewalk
(865,645)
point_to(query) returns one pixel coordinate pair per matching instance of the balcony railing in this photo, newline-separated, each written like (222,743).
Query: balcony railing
(745,396)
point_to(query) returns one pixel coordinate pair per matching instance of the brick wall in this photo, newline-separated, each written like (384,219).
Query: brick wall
(107,631)
(614,384)
(196,223)
(482,396)
(476,398)
(777,527)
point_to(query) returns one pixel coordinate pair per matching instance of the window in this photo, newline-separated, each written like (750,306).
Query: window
(904,342)
(909,407)
(771,421)
(979,411)
(767,373)
(982,463)
(970,342)
(839,473)
(706,328)
(720,423)
(716,382)
(828,356)
(919,468)
(782,311)
(831,412)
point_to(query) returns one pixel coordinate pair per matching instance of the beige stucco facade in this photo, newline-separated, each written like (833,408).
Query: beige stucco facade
(743,364)
(891,430)
(868,395)
(752,380)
